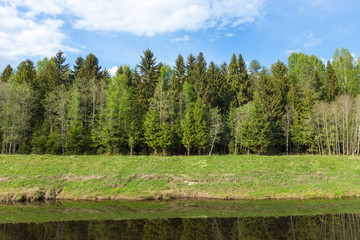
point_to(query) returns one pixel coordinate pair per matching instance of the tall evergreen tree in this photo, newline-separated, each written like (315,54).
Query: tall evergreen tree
(187,122)
(89,68)
(201,125)
(77,67)
(188,129)
(265,104)
(190,68)
(238,81)
(25,73)
(6,73)
(149,72)
(331,88)
(160,114)
(199,76)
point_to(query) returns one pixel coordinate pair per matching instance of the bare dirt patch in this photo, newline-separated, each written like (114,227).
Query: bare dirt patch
(72,177)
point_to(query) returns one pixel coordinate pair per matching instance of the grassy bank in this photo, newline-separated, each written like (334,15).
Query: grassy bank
(147,177)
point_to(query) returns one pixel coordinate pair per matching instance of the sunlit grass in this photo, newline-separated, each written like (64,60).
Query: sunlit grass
(149,177)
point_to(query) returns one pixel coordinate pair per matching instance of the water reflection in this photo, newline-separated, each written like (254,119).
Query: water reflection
(341,226)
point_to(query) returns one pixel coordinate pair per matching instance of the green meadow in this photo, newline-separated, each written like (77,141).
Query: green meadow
(246,177)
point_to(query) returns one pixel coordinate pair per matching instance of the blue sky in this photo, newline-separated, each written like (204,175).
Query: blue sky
(117,32)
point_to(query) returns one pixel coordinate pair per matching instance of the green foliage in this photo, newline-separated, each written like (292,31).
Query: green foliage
(6,73)
(201,125)
(25,73)
(331,89)
(118,112)
(88,68)
(304,107)
(188,128)
(16,105)
(304,70)
(149,72)
(346,71)
(152,130)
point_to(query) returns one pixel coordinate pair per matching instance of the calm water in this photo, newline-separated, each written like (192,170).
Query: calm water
(182,220)
(342,226)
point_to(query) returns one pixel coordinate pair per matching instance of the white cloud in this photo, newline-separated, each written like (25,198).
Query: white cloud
(312,41)
(323,60)
(292,50)
(184,38)
(22,34)
(149,17)
(229,35)
(36,27)
(113,70)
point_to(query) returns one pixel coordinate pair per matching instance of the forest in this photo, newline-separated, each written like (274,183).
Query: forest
(194,107)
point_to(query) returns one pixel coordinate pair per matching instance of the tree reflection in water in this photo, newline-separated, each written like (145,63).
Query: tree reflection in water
(342,226)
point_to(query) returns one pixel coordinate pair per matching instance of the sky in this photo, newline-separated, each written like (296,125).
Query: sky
(119,31)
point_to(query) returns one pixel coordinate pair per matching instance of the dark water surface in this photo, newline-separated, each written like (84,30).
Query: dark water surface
(49,221)
(342,226)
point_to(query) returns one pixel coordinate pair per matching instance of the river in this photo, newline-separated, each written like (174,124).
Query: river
(186,219)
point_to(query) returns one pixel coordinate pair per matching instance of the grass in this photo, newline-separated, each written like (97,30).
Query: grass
(40,212)
(31,177)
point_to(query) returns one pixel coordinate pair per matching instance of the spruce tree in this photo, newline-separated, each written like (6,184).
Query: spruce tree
(88,68)
(243,95)
(188,129)
(214,86)
(331,89)
(201,125)
(190,67)
(6,73)
(77,67)
(149,72)
(199,76)
(25,73)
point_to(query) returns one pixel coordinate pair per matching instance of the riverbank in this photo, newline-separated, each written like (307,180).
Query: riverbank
(37,177)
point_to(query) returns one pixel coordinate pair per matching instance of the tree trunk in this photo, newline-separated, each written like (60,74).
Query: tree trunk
(212,145)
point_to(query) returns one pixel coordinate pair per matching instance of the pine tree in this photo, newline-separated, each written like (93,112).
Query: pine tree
(331,89)
(178,76)
(89,68)
(275,100)
(25,73)
(78,66)
(302,130)
(238,81)
(201,125)
(6,73)
(215,83)
(199,76)
(161,112)
(232,87)
(190,66)
(243,95)
(188,129)
(266,107)
(152,130)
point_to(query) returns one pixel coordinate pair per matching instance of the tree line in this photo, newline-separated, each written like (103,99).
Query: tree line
(194,107)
